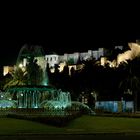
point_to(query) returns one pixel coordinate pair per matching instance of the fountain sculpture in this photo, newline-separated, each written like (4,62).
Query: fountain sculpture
(33,91)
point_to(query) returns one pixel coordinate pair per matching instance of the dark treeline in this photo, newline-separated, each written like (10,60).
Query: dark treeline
(109,83)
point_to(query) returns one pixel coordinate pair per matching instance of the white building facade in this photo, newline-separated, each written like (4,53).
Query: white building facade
(73,58)
(61,60)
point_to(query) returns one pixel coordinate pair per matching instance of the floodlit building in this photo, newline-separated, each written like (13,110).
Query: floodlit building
(71,59)
(7,69)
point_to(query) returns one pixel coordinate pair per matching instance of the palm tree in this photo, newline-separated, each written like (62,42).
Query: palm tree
(30,75)
(131,85)
(18,78)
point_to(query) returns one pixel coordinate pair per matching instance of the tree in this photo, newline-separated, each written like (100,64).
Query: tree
(34,72)
(18,78)
(48,72)
(65,78)
(70,61)
(131,84)
(55,77)
(30,75)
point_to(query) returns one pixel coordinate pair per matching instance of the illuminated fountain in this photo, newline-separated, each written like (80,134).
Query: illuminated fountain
(33,91)
(59,100)
(39,97)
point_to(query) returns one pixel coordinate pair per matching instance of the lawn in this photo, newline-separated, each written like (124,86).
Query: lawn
(84,124)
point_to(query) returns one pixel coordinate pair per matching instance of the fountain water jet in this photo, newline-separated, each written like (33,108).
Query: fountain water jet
(60,101)
(35,92)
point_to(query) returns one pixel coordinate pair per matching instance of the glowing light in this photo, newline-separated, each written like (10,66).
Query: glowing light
(103,61)
(20,65)
(123,57)
(21,94)
(45,84)
(7,103)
